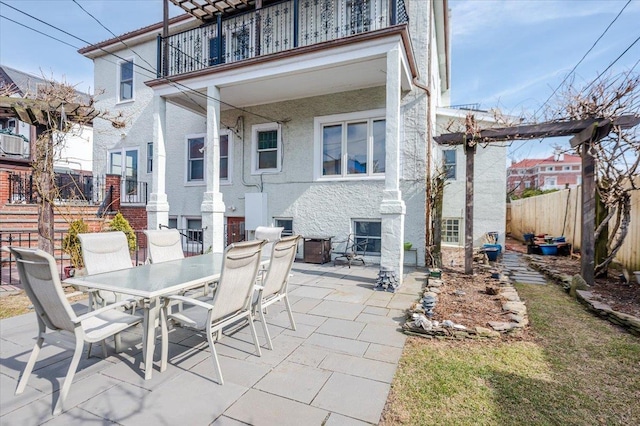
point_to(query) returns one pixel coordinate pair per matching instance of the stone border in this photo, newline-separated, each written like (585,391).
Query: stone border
(418,325)
(587,298)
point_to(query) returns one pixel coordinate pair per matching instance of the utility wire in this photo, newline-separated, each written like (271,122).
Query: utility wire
(39,32)
(611,64)
(153,72)
(583,57)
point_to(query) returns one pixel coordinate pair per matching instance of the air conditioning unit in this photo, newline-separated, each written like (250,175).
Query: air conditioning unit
(12,145)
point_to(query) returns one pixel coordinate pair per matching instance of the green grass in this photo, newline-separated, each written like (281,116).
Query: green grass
(572,368)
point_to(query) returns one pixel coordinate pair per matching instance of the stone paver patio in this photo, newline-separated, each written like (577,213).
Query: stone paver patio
(335,369)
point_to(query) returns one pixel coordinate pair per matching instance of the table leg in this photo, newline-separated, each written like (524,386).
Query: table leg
(149,341)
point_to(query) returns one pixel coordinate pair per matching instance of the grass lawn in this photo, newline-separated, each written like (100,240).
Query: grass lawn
(572,368)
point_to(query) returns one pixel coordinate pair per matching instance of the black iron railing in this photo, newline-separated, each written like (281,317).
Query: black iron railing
(275,28)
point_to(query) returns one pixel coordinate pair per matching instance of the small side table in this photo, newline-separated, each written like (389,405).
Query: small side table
(317,249)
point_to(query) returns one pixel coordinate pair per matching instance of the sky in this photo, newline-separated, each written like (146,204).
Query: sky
(505,54)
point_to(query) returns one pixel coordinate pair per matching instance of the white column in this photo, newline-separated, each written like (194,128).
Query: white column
(157,205)
(212,207)
(392,208)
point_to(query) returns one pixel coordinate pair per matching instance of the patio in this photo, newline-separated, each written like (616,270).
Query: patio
(336,369)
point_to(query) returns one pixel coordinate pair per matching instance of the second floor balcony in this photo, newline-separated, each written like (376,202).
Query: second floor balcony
(274,28)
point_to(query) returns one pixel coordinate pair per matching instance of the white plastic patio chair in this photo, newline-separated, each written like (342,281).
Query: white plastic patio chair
(270,234)
(104,252)
(273,286)
(163,245)
(39,277)
(231,301)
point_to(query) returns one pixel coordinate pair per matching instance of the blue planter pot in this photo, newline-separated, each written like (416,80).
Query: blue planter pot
(549,249)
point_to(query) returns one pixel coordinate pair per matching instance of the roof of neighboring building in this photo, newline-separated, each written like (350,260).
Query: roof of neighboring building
(26,85)
(533,162)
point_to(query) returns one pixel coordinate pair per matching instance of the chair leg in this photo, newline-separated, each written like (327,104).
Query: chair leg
(255,335)
(289,311)
(264,326)
(66,385)
(30,364)
(214,357)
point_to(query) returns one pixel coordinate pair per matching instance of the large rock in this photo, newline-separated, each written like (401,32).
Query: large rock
(577,283)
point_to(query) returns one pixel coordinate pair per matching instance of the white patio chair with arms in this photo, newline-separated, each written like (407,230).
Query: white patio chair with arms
(163,245)
(39,277)
(270,234)
(105,252)
(231,301)
(273,286)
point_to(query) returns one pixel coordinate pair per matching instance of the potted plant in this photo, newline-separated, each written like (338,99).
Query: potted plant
(407,246)
(71,246)
(119,223)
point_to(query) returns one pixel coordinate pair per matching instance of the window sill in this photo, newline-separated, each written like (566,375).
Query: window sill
(350,178)
(127,101)
(199,183)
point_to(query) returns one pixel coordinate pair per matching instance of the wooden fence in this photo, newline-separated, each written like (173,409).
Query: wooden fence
(558,213)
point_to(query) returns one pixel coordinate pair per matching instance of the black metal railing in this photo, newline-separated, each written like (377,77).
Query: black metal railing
(70,187)
(133,192)
(275,28)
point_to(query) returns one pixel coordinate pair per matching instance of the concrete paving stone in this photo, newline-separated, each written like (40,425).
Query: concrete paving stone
(384,353)
(9,401)
(337,344)
(341,328)
(374,310)
(357,366)
(351,294)
(381,295)
(9,349)
(310,319)
(227,421)
(311,292)
(304,305)
(302,330)
(283,346)
(377,303)
(294,381)
(75,416)
(12,365)
(335,309)
(336,419)
(260,408)
(376,333)
(356,397)
(403,301)
(238,371)
(307,355)
(377,319)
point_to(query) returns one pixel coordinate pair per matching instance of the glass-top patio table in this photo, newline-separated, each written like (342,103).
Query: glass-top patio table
(151,282)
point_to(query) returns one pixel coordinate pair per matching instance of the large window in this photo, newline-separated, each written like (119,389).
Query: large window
(266,148)
(368,235)
(125,81)
(195,159)
(451,230)
(351,145)
(449,157)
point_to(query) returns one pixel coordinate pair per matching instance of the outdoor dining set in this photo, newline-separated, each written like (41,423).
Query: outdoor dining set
(207,293)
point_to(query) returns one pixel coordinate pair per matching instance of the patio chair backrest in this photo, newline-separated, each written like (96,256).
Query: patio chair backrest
(270,234)
(237,279)
(105,251)
(282,258)
(164,245)
(40,279)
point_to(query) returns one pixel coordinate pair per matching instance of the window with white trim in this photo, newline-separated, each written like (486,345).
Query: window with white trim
(450,230)
(449,161)
(195,158)
(287,224)
(149,157)
(125,80)
(225,157)
(266,148)
(368,235)
(351,145)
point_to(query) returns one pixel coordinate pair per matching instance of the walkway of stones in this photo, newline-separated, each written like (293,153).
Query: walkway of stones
(516,268)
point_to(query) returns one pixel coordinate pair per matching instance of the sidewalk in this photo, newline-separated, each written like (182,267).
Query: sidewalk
(336,369)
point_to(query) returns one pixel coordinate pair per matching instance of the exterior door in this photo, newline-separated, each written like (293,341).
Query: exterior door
(235,229)
(124,162)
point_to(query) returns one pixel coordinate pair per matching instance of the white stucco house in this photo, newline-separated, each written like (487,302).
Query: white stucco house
(312,115)
(489,177)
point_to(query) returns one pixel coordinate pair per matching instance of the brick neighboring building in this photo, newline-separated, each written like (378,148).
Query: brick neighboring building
(555,172)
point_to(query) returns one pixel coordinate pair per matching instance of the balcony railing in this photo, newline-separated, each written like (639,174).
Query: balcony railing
(275,28)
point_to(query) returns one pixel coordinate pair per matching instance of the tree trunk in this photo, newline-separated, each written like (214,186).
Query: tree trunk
(601,252)
(43,168)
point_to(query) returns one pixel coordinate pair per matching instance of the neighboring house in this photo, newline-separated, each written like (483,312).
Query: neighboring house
(17,138)
(558,171)
(489,177)
(308,115)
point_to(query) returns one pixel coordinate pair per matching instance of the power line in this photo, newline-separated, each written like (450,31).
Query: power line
(611,64)
(583,57)
(39,32)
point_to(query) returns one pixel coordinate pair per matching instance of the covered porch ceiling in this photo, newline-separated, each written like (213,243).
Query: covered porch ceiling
(207,9)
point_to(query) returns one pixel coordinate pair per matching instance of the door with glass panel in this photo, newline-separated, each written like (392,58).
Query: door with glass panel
(124,162)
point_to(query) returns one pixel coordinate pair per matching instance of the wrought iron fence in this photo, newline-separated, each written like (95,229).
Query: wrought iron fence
(275,28)
(71,187)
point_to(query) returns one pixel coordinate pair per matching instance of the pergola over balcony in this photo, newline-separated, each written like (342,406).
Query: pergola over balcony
(239,30)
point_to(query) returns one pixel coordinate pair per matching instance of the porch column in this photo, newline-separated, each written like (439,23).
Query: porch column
(212,207)
(157,205)
(392,208)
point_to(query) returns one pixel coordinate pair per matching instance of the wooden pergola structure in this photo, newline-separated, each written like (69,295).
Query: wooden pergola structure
(585,133)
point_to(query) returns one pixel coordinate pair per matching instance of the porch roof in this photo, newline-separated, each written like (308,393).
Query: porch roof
(207,9)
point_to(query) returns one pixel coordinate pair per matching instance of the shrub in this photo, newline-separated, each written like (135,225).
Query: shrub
(119,223)
(71,242)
